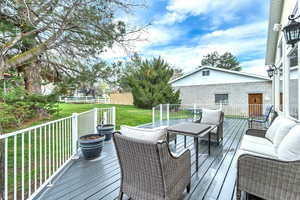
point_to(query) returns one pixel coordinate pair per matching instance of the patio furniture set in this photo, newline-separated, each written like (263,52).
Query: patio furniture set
(149,170)
(268,160)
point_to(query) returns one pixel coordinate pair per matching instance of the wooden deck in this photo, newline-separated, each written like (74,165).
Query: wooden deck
(100,179)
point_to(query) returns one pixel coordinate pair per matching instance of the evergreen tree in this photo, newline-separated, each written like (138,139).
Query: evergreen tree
(225,61)
(149,84)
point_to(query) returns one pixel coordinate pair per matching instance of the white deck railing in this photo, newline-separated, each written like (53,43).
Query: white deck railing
(182,111)
(35,155)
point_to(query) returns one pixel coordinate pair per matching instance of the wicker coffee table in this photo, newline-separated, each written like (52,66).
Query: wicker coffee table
(195,130)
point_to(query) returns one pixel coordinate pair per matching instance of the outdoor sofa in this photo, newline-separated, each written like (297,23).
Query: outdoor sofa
(149,171)
(268,163)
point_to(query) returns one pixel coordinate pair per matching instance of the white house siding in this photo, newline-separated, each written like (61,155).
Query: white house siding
(215,77)
(237,93)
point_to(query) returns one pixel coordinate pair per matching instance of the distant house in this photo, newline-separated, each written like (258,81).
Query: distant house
(210,85)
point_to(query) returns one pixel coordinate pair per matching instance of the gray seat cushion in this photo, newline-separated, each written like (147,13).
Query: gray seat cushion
(211,116)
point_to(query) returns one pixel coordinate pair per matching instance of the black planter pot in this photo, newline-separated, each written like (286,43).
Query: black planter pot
(105,130)
(91,148)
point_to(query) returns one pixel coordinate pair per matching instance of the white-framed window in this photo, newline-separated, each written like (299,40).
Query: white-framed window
(221,99)
(205,73)
(293,56)
(293,83)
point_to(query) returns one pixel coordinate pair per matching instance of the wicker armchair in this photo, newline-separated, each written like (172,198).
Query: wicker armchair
(267,178)
(217,134)
(149,171)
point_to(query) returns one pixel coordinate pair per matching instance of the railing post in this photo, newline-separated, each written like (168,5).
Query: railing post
(168,112)
(74,132)
(160,112)
(104,117)
(95,119)
(194,111)
(153,115)
(114,116)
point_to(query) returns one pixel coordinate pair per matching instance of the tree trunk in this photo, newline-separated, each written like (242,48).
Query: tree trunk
(32,78)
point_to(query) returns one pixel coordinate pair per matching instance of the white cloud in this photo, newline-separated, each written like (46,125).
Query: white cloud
(171,18)
(246,40)
(154,35)
(219,10)
(255,67)
(250,38)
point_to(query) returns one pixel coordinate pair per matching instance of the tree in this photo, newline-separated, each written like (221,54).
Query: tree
(39,37)
(149,83)
(225,61)
(177,73)
(126,69)
(88,77)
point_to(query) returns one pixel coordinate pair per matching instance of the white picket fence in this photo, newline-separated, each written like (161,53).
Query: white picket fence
(86,99)
(35,155)
(183,111)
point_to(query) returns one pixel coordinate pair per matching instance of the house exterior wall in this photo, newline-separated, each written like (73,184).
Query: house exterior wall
(290,93)
(215,77)
(237,93)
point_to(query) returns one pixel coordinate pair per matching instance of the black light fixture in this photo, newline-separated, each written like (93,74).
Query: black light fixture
(273,70)
(292,30)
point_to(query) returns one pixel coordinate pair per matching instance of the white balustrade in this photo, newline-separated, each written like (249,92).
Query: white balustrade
(35,155)
(191,111)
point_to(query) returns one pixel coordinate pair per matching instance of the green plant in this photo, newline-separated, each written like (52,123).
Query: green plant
(149,83)
(17,106)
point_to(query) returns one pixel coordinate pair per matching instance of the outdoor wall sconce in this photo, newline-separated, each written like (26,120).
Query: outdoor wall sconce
(292,30)
(273,70)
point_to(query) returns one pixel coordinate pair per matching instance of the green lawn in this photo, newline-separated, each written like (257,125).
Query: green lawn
(125,114)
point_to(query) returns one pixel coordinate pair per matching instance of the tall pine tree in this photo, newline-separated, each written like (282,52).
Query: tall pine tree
(149,84)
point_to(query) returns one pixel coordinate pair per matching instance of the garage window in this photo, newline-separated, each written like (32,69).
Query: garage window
(205,73)
(221,98)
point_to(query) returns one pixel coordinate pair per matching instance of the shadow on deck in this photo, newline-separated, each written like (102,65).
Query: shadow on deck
(100,178)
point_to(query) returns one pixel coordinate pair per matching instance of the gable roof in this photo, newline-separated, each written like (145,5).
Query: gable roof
(276,7)
(222,70)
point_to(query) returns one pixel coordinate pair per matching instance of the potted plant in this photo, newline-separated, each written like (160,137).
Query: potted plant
(105,130)
(91,145)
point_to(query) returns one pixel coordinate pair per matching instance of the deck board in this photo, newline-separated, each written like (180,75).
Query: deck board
(100,179)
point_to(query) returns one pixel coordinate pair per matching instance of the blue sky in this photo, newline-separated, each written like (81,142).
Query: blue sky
(183,31)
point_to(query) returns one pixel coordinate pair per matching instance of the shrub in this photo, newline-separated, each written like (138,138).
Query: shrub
(17,106)
(149,84)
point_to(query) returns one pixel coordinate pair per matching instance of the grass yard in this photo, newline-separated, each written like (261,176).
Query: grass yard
(127,115)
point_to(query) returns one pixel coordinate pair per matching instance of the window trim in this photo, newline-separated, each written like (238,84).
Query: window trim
(223,102)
